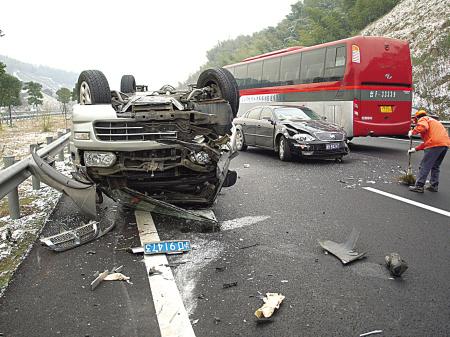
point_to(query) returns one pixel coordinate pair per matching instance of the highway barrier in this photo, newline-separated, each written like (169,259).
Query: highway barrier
(15,172)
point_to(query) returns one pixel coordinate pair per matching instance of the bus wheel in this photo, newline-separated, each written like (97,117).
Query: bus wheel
(128,84)
(284,152)
(223,85)
(93,88)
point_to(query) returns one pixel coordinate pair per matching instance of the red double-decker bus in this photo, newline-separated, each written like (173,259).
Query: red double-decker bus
(363,84)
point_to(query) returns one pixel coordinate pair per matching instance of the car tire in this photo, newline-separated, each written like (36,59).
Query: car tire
(240,141)
(223,84)
(128,84)
(93,88)
(284,152)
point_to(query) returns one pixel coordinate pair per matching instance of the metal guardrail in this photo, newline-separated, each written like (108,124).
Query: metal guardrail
(5,117)
(15,173)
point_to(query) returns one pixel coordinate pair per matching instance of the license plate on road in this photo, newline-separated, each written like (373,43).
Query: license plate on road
(386,108)
(332,146)
(167,247)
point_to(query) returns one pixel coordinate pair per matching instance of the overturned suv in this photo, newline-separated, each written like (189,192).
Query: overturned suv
(172,146)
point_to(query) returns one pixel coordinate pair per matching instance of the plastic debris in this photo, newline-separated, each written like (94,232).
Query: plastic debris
(116,277)
(344,251)
(396,265)
(371,333)
(246,165)
(272,301)
(102,276)
(229,285)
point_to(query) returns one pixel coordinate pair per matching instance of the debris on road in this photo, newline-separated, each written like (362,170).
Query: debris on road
(344,251)
(272,301)
(217,320)
(246,165)
(249,246)
(75,237)
(154,271)
(220,269)
(229,285)
(116,277)
(102,276)
(371,333)
(137,250)
(396,265)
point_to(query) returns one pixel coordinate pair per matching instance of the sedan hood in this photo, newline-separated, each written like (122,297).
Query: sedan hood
(312,126)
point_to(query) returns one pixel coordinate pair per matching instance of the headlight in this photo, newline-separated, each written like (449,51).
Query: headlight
(303,137)
(99,159)
(201,157)
(81,135)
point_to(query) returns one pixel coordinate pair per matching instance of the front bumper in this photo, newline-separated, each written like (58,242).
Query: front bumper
(318,149)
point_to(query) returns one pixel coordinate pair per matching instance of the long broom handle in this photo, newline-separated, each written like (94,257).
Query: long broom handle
(409,156)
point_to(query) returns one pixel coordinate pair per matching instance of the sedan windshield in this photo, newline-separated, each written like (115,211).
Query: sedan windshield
(293,113)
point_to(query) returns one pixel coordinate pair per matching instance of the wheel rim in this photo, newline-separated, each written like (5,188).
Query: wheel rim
(281,149)
(85,94)
(239,140)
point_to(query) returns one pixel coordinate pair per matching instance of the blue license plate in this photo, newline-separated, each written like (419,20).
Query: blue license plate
(167,247)
(332,146)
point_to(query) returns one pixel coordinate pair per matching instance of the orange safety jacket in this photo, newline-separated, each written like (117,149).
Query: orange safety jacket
(432,132)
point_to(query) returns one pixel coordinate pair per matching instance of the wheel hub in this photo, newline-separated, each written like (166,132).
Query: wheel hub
(85,94)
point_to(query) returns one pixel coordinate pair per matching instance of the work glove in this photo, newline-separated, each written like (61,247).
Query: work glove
(410,132)
(411,151)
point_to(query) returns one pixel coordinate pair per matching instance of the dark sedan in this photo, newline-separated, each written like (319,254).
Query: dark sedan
(290,130)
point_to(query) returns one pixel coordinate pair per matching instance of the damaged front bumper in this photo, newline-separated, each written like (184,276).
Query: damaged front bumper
(318,149)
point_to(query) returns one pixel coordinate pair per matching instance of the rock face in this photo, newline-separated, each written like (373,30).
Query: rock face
(426,25)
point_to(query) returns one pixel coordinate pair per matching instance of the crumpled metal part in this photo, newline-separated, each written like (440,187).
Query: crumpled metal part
(344,251)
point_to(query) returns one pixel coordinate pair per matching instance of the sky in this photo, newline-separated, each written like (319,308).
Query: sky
(159,42)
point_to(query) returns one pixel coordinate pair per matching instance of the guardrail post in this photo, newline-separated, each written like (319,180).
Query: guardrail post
(13,196)
(68,143)
(35,180)
(61,153)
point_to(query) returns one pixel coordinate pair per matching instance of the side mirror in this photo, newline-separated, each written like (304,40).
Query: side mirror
(269,120)
(324,118)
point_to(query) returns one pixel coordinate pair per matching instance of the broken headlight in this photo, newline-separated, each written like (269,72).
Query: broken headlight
(303,137)
(99,159)
(201,158)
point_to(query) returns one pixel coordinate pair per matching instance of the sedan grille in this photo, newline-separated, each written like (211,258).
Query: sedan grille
(128,131)
(332,136)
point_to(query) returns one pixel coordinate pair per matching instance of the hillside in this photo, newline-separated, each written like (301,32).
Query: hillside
(50,78)
(426,25)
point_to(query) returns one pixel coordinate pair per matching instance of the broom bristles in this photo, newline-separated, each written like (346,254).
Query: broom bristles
(408,179)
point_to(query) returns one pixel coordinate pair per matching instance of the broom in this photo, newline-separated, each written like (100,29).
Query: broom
(408,178)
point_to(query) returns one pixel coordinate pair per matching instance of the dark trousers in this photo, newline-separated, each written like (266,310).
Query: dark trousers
(431,161)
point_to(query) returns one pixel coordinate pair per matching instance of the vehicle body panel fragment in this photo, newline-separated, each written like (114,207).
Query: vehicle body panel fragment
(344,251)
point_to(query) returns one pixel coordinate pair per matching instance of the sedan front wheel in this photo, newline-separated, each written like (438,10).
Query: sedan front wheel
(284,152)
(240,142)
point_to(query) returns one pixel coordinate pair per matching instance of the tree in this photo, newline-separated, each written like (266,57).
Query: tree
(64,97)
(10,88)
(35,97)
(75,93)
(2,68)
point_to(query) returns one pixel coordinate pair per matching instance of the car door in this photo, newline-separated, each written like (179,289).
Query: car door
(249,125)
(265,128)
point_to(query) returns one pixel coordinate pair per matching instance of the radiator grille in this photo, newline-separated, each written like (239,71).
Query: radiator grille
(128,131)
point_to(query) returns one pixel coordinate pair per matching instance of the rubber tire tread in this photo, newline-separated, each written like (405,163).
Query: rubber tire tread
(225,81)
(287,150)
(128,84)
(98,85)
(244,146)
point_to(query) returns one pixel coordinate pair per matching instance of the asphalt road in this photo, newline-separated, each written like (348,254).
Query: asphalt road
(271,221)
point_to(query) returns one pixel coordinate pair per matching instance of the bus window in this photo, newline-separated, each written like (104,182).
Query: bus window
(231,70)
(334,63)
(240,74)
(254,75)
(312,66)
(271,72)
(290,69)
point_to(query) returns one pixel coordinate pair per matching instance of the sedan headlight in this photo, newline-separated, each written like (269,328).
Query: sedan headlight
(99,159)
(201,157)
(303,137)
(81,135)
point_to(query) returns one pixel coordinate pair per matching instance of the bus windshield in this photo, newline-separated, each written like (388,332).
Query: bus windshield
(292,113)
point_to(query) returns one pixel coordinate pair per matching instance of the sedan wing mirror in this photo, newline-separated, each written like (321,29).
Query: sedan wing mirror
(269,120)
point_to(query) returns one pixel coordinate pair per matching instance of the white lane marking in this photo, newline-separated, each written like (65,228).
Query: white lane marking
(172,316)
(411,202)
(242,222)
(402,140)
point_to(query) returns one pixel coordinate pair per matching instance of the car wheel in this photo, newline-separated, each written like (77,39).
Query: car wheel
(284,152)
(128,84)
(223,85)
(240,142)
(93,88)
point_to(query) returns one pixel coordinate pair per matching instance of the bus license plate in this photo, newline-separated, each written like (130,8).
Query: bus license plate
(332,146)
(167,247)
(386,109)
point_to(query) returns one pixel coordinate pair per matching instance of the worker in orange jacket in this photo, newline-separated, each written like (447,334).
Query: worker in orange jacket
(435,145)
